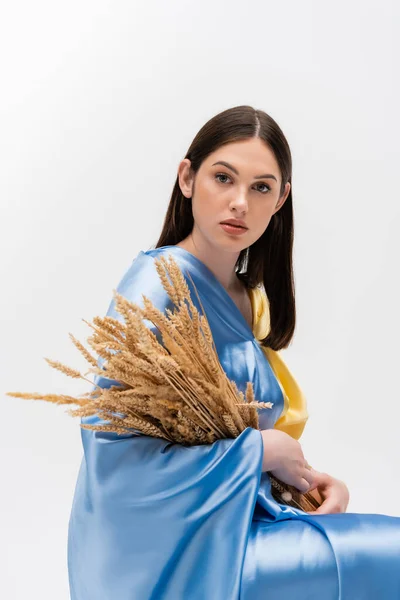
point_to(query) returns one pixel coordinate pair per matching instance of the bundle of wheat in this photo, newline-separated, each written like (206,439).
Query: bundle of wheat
(175,389)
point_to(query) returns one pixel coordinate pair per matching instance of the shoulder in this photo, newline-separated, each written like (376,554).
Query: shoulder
(141,279)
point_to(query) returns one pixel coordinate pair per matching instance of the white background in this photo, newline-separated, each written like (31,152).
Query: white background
(99,102)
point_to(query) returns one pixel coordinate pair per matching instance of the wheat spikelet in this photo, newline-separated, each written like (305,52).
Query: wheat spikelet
(53,398)
(249,392)
(203,319)
(113,327)
(178,279)
(126,308)
(207,357)
(201,435)
(83,350)
(170,289)
(98,371)
(159,319)
(195,357)
(253,417)
(179,287)
(256,404)
(232,429)
(103,334)
(64,369)
(182,324)
(117,428)
(110,345)
(115,323)
(245,413)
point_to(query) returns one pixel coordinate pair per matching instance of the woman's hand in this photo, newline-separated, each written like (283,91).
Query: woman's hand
(334,493)
(284,458)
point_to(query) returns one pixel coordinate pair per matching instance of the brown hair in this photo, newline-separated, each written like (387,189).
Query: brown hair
(268,260)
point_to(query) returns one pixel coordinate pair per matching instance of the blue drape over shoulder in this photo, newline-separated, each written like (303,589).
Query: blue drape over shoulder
(153,520)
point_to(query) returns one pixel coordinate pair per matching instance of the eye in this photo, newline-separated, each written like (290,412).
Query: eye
(225,175)
(267,186)
(221,175)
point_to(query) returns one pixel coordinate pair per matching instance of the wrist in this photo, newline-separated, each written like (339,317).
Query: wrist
(269,457)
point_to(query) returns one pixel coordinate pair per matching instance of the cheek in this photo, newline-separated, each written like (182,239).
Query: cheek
(207,193)
(262,217)
(204,208)
(207,203)
(259,223)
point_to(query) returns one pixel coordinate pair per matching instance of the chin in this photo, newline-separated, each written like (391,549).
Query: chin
(233,244)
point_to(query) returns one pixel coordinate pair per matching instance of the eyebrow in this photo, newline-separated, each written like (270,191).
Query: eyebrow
(266,175)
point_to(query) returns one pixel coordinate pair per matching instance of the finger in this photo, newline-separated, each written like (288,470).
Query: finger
(319,511)
(326,508)
(313,486)
(317,481)
(310,478)
(303,485)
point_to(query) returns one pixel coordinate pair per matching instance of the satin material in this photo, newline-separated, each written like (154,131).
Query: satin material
(152,520)
(294,413)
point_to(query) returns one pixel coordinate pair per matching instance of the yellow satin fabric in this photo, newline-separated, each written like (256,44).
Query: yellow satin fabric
(294,415)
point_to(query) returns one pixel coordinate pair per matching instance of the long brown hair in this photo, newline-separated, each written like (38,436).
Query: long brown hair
(268,260)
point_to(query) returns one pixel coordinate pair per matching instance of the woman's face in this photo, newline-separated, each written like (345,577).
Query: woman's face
(221,192)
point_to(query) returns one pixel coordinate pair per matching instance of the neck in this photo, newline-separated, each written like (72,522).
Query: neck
(221,263)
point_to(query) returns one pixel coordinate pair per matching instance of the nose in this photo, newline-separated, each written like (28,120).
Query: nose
(239,203)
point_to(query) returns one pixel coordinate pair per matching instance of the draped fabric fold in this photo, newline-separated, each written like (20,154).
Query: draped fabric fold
(155,520)
(294,413)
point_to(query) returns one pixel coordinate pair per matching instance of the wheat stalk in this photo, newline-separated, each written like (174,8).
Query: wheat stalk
(175,390)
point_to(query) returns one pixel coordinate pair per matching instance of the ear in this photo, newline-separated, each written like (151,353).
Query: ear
(282,199)
(185,177)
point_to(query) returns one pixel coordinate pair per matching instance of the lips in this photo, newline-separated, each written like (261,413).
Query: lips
(233,225)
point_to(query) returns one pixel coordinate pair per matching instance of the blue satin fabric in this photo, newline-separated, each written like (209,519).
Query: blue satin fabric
(152,520)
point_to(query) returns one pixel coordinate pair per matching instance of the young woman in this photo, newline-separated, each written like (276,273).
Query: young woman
(155,520)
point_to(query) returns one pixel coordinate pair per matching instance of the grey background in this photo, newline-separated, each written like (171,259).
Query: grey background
(99,102)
